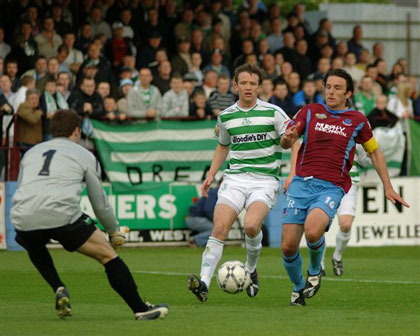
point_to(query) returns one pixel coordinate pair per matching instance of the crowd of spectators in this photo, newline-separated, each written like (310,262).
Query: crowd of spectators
(117,60)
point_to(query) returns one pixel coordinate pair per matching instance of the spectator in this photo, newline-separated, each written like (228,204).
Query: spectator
(63,84)
(62,54)
(48,41)
(104,89)
(27,83)
(98,24)
(128,69)
(324,65)
(381,116)
(118,46)
(104,73)
(181,62)
(6,87)
(307,95)
(175,101)
(11,69)
(315,47)
(350,66)
(200,218)
(197,39)
(4,47)
(283,99)
(275,39)
(299,11)
(144,100)
(382,78)
(269,67)
(147,54)
(6,112)
(355,43)
(404,64)
(372,72)
(221,98)
(209,83)
(195,71)
(341,49)
(216,12)
(293,81)
(286,69)
(153,24)
(125,87)
(53,69)
(363,60)
(188,86)
(326,25)
(302,61)
(25,49)
(377,52)
(163,78)
(288,50)
(247,49)
(266,91)
(216,64)
(29,121)
(216,31)
(199,107)
(111,110)
(327,51)
(85,38)
(50,101)
(75,58)
(160,56)
(186,26)
(86,101)
(365,99)
(401,104)
(61,26)
(31,15)
(131,29)
(337,63)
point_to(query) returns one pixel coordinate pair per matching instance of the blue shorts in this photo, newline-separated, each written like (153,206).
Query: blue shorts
(305,194)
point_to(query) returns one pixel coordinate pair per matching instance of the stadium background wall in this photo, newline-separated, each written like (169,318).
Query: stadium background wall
(156,216)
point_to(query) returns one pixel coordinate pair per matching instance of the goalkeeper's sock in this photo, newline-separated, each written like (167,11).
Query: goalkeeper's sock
(122,282)
(293,266)
(253,250)
(43,262)
(211,257)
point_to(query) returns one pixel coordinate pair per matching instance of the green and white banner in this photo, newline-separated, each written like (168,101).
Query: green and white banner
(159,151)
(413,140)
(134,155)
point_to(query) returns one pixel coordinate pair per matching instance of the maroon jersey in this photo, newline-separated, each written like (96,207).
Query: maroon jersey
(329,142)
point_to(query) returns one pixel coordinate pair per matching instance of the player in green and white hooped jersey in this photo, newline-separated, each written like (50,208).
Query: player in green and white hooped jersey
(250,130)
(346,212)
(46,206)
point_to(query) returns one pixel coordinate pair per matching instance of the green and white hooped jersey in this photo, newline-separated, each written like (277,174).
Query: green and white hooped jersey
(254,137)
(361,159)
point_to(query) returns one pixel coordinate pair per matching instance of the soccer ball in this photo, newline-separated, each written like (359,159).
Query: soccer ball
(233,277)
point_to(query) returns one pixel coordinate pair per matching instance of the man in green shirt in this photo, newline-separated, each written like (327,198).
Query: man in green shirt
(365,99)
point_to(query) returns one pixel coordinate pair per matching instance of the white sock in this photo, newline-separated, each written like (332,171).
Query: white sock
(341,241)
(211,257)
(253,250)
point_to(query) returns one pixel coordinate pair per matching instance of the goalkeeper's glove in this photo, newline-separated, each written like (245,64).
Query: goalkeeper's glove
(117,238)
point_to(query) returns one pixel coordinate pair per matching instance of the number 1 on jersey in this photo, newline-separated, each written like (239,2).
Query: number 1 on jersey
(45,171)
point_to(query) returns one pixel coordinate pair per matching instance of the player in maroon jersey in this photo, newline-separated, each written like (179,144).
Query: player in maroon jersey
(330,133)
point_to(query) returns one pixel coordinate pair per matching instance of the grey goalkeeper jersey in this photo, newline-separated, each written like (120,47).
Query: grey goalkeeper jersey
(52,175)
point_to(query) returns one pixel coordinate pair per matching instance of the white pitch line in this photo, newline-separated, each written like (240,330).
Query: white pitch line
(396,282)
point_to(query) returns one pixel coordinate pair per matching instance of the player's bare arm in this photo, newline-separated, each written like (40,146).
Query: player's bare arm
(379,163)
(218,158)
(293,159)
(290,136)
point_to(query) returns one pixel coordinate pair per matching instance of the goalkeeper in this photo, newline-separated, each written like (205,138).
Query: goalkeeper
(46,206)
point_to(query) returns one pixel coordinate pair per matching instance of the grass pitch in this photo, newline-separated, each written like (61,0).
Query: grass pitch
(379,294)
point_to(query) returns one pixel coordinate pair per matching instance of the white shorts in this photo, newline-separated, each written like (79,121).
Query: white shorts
(239,191)
(348,203)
